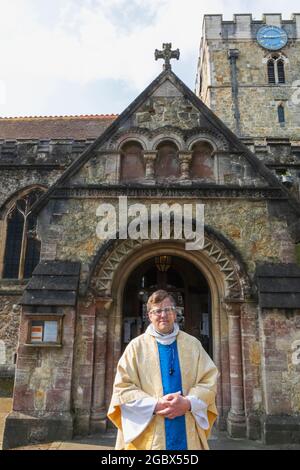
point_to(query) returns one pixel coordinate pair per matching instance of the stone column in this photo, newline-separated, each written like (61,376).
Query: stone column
(218,170)
(149,159)
(113,167)
(185,159)
(236,421)
(251,368)
(98,411)
(114,336)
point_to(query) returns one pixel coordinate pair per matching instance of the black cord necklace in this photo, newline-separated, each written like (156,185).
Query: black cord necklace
(171,370)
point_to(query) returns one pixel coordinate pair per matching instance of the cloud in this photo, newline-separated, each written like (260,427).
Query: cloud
(85,41)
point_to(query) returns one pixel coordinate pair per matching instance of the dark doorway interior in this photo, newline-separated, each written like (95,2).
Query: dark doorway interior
(180,278)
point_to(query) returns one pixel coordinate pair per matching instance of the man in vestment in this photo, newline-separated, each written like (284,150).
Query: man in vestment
(165,386)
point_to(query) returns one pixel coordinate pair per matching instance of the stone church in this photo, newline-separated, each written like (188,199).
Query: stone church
(70,301)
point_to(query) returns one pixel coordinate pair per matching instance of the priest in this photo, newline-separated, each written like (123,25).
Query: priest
(165,386)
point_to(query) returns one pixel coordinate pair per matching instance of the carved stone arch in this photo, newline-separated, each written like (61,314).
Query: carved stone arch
(172,134)
(136,134)
(197,140)
(279,54)
(217,251)
(127,139)
(216,140)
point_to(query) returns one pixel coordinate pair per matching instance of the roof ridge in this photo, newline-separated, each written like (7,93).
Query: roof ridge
(74,116)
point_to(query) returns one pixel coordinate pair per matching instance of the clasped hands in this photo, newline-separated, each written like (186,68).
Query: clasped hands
(172,405)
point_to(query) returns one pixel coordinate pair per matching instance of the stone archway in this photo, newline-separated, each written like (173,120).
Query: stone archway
(229,286)
(184,282)
(231,267)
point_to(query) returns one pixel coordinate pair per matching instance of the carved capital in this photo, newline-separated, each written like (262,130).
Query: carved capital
(232,309)
(233,54)
(104,303)
(88,299)
(149,159)
(185,159)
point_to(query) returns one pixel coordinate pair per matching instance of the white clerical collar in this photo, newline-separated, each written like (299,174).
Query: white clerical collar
(169,338)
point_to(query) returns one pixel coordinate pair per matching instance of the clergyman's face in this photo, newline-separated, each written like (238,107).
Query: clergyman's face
(163,316)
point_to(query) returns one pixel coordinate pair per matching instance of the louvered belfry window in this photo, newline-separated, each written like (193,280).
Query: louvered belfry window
(276,72)
(22,249)
(271,71)
(280,71)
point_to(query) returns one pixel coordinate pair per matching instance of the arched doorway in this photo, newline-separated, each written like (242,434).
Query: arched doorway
(223,270)
(181,279)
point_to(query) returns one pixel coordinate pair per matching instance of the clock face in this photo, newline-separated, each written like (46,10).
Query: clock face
(272,37)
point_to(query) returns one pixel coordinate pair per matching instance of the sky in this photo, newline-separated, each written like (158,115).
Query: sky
(71,57)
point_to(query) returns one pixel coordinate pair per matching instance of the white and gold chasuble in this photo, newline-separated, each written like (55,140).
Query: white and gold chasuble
(139,376)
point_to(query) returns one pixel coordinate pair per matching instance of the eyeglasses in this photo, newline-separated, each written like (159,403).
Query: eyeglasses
(159,311)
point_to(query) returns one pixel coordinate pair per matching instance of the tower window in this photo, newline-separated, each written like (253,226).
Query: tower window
(271,72)
(281,116)
(280,71)
(276,72)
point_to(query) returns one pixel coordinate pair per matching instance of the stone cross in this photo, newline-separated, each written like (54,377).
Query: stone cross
(167,54)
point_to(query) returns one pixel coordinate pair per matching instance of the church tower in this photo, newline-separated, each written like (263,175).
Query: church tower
(248,74)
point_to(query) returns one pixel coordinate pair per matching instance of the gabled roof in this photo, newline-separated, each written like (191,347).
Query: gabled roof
(54,127)
(215,122)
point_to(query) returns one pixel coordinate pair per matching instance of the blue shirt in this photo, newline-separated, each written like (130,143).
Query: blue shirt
(171,381)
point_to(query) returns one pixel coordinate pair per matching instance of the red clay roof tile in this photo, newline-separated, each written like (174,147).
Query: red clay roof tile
(55,127)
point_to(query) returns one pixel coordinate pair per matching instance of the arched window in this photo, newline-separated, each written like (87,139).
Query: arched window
(271,71)
(167,164)
(22,249)
(132,164)
(281,115)
(280,71)
(202,161)
(276,73)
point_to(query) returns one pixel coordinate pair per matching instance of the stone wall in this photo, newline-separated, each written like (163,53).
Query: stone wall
(9,330)
(13,180)
(279,334)
(247,224)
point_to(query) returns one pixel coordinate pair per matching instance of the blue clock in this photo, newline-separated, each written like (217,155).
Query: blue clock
(272,37)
